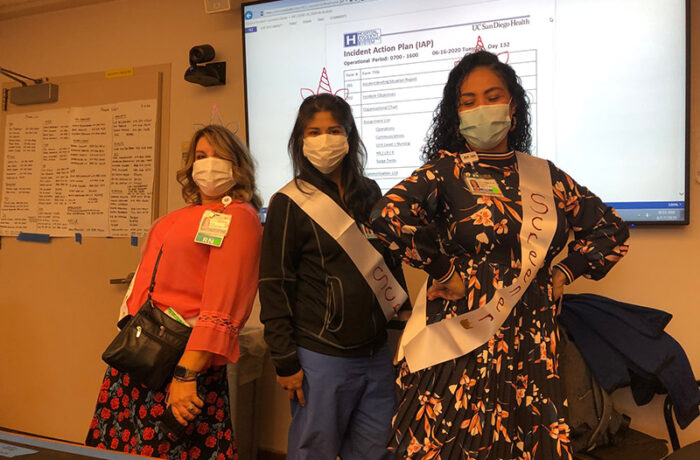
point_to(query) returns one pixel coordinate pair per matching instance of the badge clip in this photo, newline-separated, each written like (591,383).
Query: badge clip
(469,158)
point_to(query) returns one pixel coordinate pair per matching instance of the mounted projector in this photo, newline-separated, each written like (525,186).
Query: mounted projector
(35,94)
(211,74)
(39,92)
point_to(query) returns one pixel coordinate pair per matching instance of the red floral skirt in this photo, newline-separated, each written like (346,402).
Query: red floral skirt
(126,415)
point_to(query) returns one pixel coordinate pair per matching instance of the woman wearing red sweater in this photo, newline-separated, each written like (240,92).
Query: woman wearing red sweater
(212,288)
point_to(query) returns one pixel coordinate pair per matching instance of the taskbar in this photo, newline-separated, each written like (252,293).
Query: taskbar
(651,212)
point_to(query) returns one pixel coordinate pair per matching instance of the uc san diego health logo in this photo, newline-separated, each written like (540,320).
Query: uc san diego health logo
(366,37)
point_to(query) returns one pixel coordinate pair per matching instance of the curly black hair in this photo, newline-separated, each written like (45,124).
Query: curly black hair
(444,131)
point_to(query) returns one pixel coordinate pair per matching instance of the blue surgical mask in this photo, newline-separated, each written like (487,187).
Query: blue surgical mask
(485,126)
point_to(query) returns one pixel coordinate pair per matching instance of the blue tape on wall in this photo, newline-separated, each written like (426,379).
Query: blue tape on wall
(34,237)
(134,240)
(79,238)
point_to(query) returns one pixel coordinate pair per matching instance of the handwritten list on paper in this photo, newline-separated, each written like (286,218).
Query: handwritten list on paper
(85,170)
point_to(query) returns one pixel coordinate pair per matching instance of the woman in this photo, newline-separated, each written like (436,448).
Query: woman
(502,398)
(323,323)
(212,288)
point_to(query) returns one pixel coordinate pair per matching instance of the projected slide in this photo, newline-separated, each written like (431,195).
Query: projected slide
(595,100)
(394,74)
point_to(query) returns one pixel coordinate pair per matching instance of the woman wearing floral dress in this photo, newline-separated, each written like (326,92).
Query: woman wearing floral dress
(503,399)
(213,289)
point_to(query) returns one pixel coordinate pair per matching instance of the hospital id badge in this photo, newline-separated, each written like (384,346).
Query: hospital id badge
(212,228)
(482,185)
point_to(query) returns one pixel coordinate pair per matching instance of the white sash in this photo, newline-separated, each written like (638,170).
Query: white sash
(425,345)
(342,228)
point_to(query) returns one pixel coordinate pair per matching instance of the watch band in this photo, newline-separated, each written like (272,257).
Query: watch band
(184,374)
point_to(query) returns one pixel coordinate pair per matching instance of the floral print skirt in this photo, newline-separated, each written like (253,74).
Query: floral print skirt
(126,418)
(501,401)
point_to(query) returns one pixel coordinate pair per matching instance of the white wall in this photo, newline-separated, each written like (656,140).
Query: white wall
(131,33)
(660,271)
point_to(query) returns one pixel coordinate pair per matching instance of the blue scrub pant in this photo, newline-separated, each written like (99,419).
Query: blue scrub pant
(349,406)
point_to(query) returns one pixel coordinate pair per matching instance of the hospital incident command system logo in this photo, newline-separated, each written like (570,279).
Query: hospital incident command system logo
(365,37)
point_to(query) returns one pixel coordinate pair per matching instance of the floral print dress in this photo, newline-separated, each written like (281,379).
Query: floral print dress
(127,414)
(503,400)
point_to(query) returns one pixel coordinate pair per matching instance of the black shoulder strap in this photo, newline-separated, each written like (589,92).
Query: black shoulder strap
(153,277)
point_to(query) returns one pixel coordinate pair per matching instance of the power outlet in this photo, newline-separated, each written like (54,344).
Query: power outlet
(216,6)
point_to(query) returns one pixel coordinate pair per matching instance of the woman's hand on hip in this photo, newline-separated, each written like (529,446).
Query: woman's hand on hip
(558,282)
(184,400)
(452,289)
(292,384)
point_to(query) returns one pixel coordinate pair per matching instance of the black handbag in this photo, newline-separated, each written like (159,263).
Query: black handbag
(149,344)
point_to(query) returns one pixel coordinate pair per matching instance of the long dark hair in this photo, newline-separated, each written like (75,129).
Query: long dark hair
(444,131)
(359,194)
(229,147)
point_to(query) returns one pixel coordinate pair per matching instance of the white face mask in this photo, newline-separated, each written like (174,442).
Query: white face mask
(326,151)
(485,126)
(213,176)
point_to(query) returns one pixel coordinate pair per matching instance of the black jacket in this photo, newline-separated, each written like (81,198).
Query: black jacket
(625,344)
(311,293)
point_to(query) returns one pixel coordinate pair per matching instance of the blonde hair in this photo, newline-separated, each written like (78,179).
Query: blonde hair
(228,146)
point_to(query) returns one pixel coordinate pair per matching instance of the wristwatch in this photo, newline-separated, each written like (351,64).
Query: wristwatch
(182,373)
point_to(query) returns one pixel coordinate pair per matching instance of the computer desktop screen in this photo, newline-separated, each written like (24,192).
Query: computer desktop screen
(607,82)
